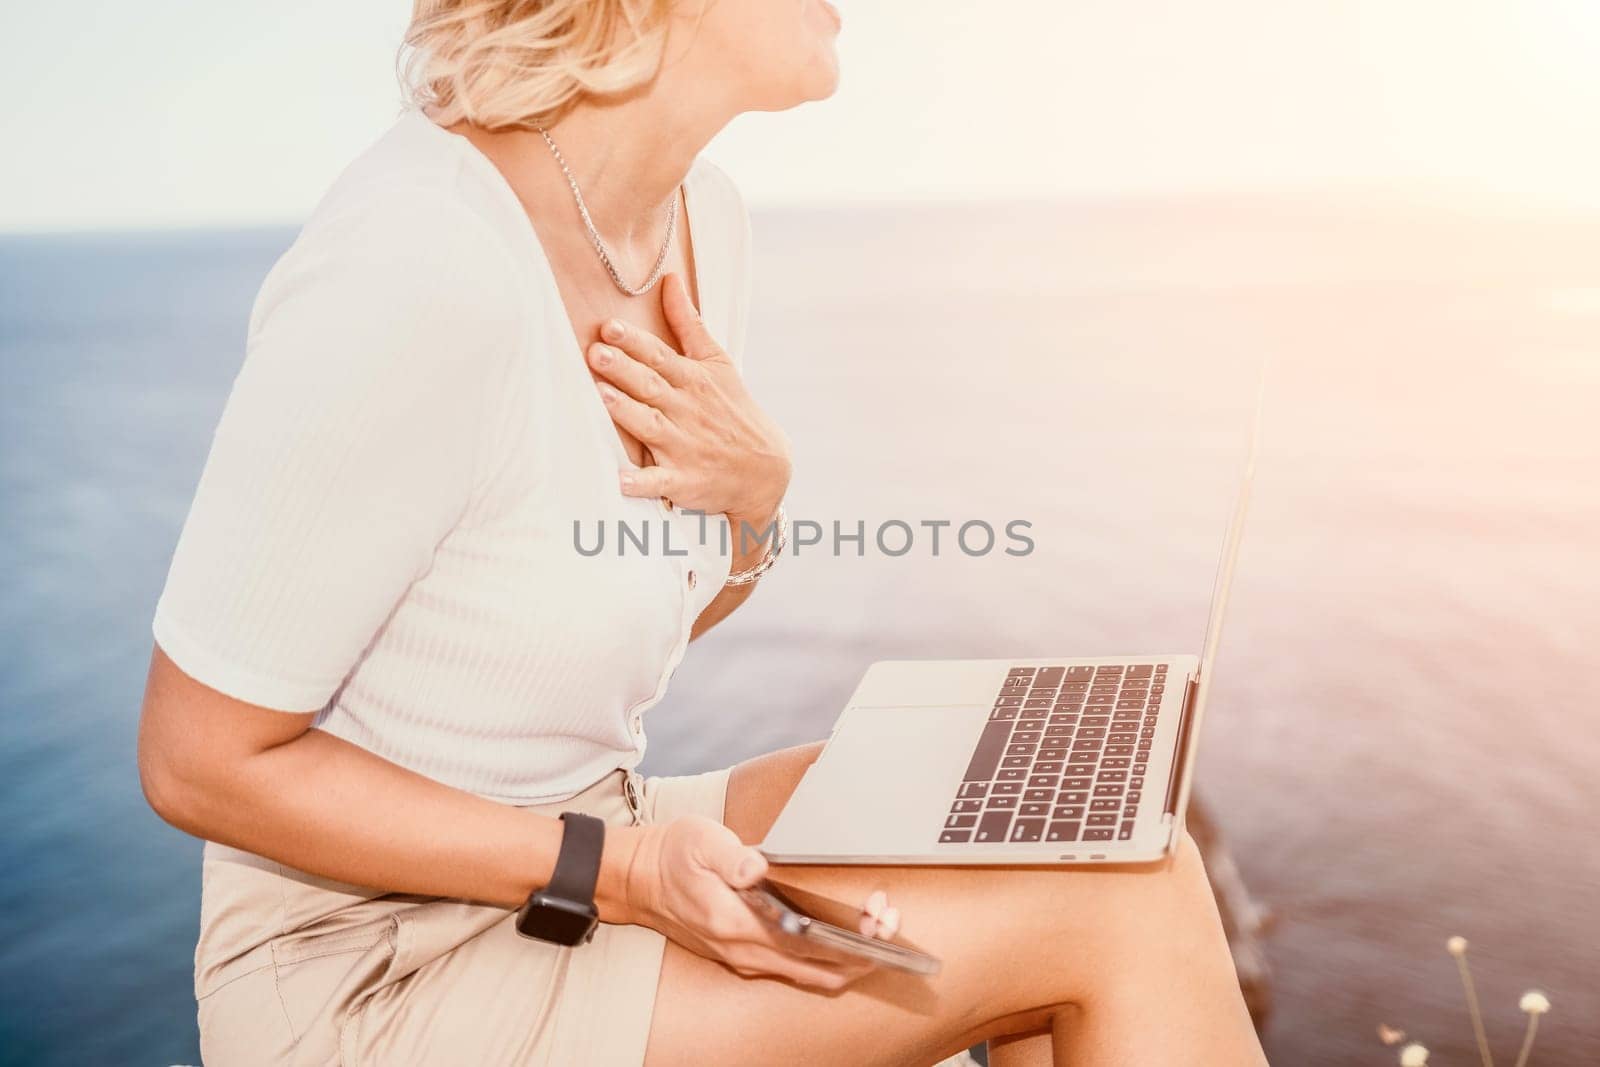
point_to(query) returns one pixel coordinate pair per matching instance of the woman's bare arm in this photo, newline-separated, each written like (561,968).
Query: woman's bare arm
(264,781)
(745,556)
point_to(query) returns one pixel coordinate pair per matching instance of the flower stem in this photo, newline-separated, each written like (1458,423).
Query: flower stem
(1527,1040)
(1477,1016)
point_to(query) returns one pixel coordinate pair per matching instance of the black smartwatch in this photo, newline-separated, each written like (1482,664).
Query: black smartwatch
(563,911)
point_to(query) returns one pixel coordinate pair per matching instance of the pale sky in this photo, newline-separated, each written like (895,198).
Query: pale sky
(181,112)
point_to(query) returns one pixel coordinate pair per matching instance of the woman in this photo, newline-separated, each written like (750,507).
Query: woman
(383,670)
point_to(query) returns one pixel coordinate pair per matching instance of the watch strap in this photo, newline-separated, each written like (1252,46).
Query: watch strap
(578,863)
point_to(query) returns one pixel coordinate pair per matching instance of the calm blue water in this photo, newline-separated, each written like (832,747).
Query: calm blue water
(1403,737)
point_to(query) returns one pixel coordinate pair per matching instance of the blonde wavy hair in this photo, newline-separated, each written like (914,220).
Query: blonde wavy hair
(523,63)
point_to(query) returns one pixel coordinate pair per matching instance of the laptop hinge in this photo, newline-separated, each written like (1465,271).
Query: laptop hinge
(1185,717)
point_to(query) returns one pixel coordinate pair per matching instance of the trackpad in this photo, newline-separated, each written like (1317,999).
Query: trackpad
(884,784)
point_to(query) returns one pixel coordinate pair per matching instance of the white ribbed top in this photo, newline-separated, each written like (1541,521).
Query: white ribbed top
(383,529)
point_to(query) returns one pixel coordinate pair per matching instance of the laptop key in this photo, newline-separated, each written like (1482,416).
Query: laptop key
(1097,834)
(1027,830)
(1072,796)
(955,837)
(1001,802)
(1011,774)
(993,826)
(1034,795)
(1006,789)
(961,822)
(1030,811)
(986,757)
(1063,831)
(973,789)
(1067,811)
(1042,781)
(1112,789)
(961,807)
(1125,832)
(1100,818)
(1002,714)
(1105,804)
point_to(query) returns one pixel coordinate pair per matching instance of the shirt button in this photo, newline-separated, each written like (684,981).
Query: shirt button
(691,579)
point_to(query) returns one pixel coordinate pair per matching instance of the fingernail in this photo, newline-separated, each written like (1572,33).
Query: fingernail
(601,355)
(749,868)
(626,479)
(612,330)
(608,394)
(875,902)
(889,921)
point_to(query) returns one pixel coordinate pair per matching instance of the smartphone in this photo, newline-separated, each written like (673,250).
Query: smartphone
(778,905)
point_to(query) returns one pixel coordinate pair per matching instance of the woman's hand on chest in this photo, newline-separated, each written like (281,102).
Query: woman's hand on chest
(714,449)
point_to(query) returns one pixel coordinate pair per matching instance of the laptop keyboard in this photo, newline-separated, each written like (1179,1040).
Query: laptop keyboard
(1062,758)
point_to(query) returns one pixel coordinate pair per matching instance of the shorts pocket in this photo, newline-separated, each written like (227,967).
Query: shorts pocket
(323,980)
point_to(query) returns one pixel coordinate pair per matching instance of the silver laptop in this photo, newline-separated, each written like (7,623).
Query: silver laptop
(1046,762)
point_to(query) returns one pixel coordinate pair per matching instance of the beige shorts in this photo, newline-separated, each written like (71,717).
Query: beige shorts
(293,968)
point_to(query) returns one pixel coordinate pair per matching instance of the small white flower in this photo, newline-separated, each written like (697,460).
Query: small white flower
(1456,946)
(1413,1055)
(1534,1002)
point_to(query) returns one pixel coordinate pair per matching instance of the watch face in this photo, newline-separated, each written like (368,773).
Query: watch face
(554,919)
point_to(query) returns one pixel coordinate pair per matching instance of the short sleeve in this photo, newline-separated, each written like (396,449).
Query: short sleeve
(347,448)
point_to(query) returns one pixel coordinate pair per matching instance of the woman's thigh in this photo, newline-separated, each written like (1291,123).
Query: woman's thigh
(1020,946)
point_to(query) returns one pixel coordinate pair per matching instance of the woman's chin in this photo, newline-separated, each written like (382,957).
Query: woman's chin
(821,78)
(826,81)
(818,81)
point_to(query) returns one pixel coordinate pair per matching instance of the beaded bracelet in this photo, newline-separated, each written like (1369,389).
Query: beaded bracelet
(745,577)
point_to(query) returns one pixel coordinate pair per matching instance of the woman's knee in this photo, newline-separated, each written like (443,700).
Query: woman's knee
(759,788)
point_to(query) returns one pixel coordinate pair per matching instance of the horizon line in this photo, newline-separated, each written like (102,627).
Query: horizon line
(1453,197)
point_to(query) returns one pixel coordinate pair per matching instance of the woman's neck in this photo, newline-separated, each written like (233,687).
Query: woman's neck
(628,157)
(628,160)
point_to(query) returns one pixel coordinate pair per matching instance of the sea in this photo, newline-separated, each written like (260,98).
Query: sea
(1403,738)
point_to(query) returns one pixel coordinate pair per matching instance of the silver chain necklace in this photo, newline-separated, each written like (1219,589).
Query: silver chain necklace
(594,234)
